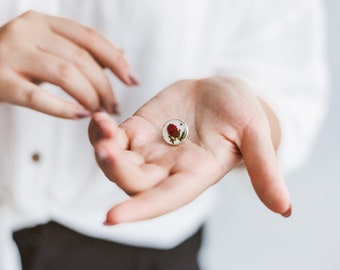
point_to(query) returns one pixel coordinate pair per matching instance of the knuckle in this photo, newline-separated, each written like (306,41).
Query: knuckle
(81,57)
(119,56)
(65,71)
(30,98)
(22,20)
(20,24)
(13,27)
(91,35)
(29,14)
(219,81)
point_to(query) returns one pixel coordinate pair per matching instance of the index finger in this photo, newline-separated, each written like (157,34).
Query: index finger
(170,194)
(103,50)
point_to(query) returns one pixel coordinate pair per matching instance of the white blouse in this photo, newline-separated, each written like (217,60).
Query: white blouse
(47,166)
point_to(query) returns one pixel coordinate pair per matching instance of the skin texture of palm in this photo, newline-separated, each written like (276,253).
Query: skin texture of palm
(228,126)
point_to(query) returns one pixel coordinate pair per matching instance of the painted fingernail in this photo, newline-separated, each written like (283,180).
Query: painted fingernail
(287,213)
(97,133)
(115,108)
(133,79)
(82,113)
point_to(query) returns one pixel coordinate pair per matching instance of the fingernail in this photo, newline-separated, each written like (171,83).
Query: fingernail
(288,212)
(115,108)
(97,133)
(82,113)
(133,79)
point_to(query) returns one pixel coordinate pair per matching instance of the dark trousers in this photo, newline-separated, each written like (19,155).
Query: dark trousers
(52,246)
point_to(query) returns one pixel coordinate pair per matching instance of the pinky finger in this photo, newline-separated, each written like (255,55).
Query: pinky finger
(27,94)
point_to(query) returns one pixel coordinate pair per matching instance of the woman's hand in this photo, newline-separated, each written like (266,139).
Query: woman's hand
(37,48)
(228,125)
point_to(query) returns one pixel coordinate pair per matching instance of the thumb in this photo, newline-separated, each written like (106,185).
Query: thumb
(101,127)
(262,166)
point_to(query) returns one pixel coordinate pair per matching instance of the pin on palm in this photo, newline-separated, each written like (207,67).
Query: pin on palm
(227,125)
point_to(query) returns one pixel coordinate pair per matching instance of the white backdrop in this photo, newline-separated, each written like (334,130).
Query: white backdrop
(253,238)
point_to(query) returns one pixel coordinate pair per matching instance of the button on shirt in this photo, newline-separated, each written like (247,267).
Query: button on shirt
(47,167)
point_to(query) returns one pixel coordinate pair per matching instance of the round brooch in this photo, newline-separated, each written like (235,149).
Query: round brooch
(175,131)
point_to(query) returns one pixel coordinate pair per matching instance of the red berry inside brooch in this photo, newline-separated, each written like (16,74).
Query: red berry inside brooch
(175,131)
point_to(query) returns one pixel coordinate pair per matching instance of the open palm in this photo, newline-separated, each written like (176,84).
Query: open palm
(227,126)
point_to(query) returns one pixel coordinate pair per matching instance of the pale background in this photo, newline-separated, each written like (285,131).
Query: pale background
(252,238)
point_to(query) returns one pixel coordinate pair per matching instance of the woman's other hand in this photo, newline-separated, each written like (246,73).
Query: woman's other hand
(36,48)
